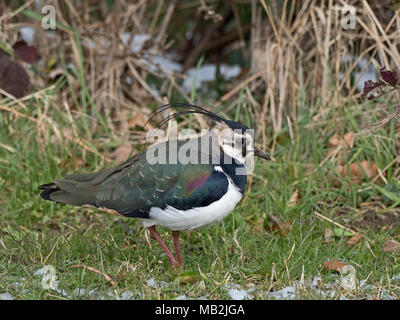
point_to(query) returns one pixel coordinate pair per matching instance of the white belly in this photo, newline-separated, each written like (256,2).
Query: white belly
(195,218)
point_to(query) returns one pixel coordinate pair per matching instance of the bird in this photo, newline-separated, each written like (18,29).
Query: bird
(162,188)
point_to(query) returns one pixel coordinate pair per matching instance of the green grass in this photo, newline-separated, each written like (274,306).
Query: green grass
(242,249)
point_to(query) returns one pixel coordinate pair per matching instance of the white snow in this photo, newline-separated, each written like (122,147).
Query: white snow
(137,41)
(156,284)
(27,34)
(236,293)
(366,71)
(6,296)
(287,293)
(208,72)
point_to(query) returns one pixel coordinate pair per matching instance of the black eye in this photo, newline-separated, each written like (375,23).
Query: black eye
(244,148)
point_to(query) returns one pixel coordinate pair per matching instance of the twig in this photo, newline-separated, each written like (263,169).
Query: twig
(334,222)
(105,275)
(379,125)
(240,86)
(167,18)
(18,114)
(16,12)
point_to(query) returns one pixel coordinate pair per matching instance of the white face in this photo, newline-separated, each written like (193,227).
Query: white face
(236,145)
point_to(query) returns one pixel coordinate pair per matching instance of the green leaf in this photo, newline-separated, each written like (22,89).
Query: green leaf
(189,277)
(339,232)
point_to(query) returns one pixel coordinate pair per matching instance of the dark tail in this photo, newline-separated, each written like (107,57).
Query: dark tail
(79,189)
(74,189)
(47,190)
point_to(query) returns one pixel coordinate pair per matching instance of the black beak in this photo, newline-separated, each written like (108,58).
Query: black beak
(260,154)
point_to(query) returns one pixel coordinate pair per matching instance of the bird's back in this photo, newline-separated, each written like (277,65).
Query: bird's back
(136,186)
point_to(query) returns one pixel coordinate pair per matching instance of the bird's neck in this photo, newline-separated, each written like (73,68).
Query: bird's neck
(235,171)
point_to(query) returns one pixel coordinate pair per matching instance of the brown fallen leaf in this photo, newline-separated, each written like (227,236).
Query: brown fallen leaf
(295,198)
(122,152)
(340,145)
(333,264)
(391,246)
(346,141)
(363,168)
(119,276)
(129,245)
(354,239)
(283,227)
(295,172)
(359,170)
(74,163)
(334,140)
(258,226)
(140,120)
(328,235)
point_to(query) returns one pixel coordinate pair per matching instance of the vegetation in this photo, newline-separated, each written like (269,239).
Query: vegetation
(332,191)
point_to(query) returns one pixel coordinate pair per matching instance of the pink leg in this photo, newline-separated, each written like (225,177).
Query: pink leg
(155,234)
(175,236)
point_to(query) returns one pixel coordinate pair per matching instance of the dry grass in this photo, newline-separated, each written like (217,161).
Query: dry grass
(296,50)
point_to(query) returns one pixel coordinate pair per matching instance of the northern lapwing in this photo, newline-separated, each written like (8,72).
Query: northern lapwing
(162,188)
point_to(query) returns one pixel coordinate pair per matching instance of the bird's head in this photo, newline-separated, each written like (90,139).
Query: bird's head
(235,139)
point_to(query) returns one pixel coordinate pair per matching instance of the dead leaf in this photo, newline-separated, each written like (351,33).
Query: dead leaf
(295,198)
(328,235)
(346,141)
(139,120)
(119,276)
(13,77)
(129,244)
(283,227)
(354,239)
(359,170)
(295,172)
(122,152)
(390,77)
(368,168)
(391,246)
(334,140)
(340,145)
(25,52)
(258,226)
(74,163)
(334,265)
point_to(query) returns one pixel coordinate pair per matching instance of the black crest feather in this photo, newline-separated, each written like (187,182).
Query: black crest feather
(185,108)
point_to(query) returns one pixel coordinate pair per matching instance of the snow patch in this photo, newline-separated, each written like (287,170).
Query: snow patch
(27,34)
(49,279)
(208,72)
(6,296)
(153,283)
(236,293)
(127,295)
(287,293)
